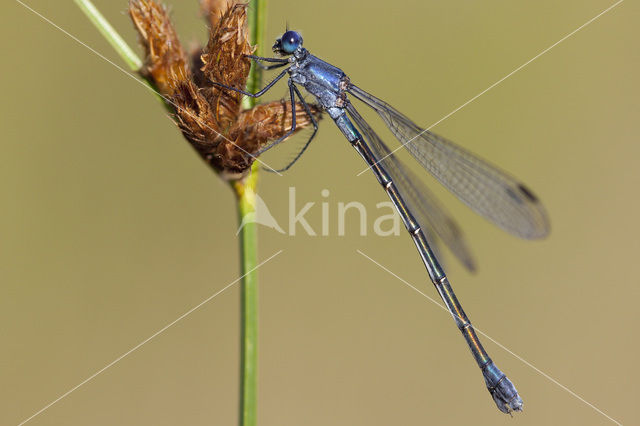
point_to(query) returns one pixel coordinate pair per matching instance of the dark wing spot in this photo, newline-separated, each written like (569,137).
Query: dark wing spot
(524,192)
(527,193)
(513,195)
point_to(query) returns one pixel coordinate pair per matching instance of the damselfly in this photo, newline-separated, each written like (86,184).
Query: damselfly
(486,189)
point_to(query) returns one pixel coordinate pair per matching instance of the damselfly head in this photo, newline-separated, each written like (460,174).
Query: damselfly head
(288,43)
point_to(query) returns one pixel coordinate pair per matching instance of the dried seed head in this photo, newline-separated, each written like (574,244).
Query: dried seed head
(165,60)
(195,117)
(261,124)
(225,62)
(213,10)
(212,119)
(253,130)
(166,66)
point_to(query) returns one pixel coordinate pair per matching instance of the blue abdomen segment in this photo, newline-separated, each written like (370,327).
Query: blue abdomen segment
(504,393)
(344,124)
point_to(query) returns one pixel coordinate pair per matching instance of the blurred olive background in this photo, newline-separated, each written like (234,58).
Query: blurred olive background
(111,228)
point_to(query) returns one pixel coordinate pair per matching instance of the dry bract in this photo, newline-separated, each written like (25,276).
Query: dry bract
(212,120)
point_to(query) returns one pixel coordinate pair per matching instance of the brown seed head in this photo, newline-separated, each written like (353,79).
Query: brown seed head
(165,60)
(213,10)
(225,62)
(210,118)
(264,123)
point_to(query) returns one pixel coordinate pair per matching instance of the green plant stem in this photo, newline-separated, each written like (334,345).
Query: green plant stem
(246,193)
(123,49)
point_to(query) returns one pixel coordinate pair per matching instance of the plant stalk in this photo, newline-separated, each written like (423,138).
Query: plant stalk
(246,194)
(245,191)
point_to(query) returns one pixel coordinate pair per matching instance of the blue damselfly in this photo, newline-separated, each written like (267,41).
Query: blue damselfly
(486,189)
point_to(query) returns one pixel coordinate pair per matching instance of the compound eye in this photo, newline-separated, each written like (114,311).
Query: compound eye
(291,40)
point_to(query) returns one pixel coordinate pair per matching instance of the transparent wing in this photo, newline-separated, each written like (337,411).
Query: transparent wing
(426,209)
(487,190)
